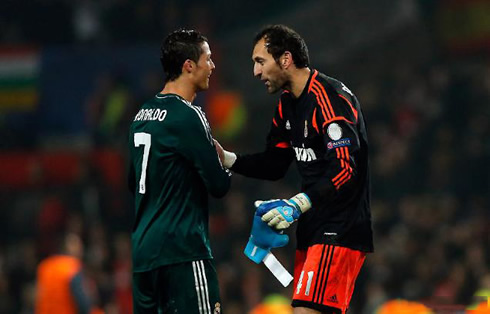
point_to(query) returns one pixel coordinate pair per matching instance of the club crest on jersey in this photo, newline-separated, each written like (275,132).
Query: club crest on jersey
(304,154)
(217,308)
(334,131)
(340,143)
(288,125)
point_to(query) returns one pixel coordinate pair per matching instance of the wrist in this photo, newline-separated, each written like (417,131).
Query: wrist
(301,201)
(229,159)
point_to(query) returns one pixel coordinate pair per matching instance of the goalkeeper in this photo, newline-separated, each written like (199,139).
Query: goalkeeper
(319,123)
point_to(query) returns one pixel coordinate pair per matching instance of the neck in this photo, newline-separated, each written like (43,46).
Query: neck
(181,88)
(298,81)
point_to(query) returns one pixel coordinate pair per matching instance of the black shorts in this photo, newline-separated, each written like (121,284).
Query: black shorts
(190,287)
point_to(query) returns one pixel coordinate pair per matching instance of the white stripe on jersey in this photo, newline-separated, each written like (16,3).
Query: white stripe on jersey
(204,122)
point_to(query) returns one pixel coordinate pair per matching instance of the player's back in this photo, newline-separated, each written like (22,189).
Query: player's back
(173,166)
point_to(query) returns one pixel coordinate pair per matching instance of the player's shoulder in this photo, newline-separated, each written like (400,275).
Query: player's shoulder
(193,115)
(176,106)
(335,99)
(190,116)
(332,84)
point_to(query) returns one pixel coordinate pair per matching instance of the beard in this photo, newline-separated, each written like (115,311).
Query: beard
(280,82)
(276,86)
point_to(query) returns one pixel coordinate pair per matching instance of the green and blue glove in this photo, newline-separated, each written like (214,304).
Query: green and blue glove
(280,214)
(262,240)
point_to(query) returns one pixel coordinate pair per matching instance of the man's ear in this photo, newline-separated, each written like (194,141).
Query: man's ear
(286,59)
(188,66)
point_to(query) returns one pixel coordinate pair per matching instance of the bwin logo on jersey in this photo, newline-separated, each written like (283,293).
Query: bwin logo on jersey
(304,154)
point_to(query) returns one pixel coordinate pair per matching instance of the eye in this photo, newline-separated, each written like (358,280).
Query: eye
(258,60)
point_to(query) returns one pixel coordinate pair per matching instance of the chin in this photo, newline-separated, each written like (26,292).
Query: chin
(203,88)
(272,90)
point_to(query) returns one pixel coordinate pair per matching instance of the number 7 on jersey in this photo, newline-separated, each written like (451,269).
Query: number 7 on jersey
(144,139)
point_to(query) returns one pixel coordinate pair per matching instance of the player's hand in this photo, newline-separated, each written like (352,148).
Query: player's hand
(219,150)
(262,240)
(280,214)
(227,158)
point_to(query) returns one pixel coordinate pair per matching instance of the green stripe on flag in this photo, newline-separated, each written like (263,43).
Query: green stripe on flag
(20,82)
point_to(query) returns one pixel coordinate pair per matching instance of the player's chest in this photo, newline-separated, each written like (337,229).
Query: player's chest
(303,132)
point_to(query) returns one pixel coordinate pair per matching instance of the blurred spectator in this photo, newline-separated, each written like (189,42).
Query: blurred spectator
(60,281)
(108,110)
(273,304)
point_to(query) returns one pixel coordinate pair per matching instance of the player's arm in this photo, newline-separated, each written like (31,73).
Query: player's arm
(273,162)
(341,139)
(341,170)
(196,144)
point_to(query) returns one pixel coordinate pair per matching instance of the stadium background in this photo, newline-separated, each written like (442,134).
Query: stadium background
(73,73)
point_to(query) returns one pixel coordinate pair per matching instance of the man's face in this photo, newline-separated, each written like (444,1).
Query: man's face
(205,67)
(267,69)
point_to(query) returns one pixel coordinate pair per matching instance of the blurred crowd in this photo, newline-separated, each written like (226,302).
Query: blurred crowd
(428,125)
(116,21)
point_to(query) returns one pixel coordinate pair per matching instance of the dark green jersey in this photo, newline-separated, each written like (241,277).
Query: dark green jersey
(173,167)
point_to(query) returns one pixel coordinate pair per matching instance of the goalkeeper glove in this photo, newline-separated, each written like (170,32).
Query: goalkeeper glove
(262,240)
(280,214)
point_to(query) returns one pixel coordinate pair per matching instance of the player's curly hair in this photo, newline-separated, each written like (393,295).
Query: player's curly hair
(177,47)
(279,39)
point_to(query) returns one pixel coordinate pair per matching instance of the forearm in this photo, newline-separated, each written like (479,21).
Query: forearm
(269,165)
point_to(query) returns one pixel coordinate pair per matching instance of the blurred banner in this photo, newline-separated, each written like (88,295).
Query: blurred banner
(464,25)
(19,78)
(227,113)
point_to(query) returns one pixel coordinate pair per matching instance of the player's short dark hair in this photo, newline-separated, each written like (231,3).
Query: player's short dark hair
(179,46)
(279,39)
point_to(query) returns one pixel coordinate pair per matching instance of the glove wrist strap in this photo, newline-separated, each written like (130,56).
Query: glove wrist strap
(301,201)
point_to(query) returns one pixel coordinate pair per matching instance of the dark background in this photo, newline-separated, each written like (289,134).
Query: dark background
(74,73)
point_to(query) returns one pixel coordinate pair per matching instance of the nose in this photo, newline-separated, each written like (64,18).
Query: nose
(213,66)
(257,70)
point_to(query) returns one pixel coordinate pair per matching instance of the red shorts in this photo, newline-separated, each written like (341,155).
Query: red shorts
(324,277)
